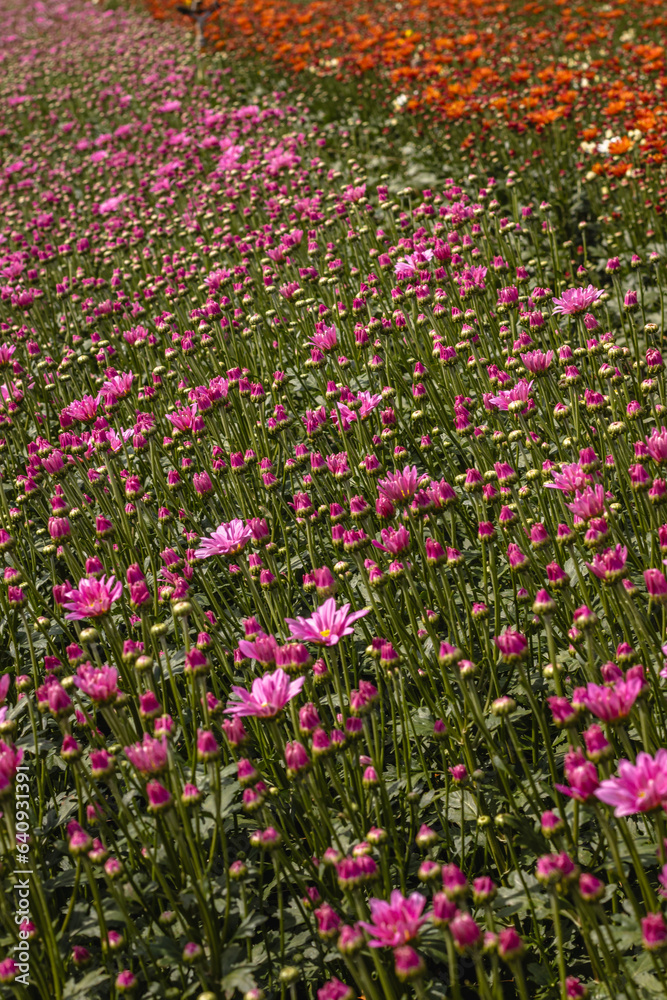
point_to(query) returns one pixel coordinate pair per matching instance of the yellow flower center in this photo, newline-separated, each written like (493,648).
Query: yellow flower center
(325,633)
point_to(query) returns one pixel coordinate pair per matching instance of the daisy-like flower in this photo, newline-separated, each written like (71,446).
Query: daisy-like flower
(227,540)
(267,697)
(576,300)
(570,479)
(396,922)
(325,337)
(327,625)
(399,487)
(537,362)
(640,787)
(407,267)
(520,393)
(610,704)
(589,503)
(93,598)
(99,683)
(609,565)
(118,386)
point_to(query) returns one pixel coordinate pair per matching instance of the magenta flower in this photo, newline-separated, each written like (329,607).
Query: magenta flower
(149,756)
(639,787)
(610,704)
(227,540)
(576,300)
(511,644)
(582,776)
(394,541)
(537,362)
(656,445)
(268,696)
(327,625)
(588,504)
(396,922)
(399,487)
(570,479)
(609,565)
(520,393)
(99,683)
(93,598)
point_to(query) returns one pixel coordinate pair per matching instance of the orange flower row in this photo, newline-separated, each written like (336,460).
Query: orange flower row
(526,65)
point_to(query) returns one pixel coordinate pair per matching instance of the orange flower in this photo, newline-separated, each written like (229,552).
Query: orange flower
(619,146)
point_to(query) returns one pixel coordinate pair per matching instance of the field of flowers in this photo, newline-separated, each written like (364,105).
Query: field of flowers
(333,619)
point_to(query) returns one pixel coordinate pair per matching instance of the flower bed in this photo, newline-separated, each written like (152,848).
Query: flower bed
(333,616)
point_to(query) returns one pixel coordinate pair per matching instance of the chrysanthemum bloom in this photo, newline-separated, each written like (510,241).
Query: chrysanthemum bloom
(511,644)
(328,921)
(399,487)
(575,989)
(465,932)
(396,922)
(656,585)
(150,756)
(93,598)
(227,540)
(538,362)
(611,704)
(515,399)
(408,964)
(394,542)
(582,775)
(554,868)
(589,503)
(335,990)
(510,945)
(268,696)
(576,300)
(99,683)
(590,888)
(327,625)
(640,787)
(609,565)
(654,932)
(159,797)
(263,649)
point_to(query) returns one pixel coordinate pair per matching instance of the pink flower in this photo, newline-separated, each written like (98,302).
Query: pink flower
(465,931)
(396,922)
(582,775)
(610,564)
(610,704)
(99,683)
(639,787)
(512,644)
(325,337)
(93,599)
(227,540)
(576,300)
(656,585)
(399,487)
(588,504)
(268,696)
(657,445)
(520,393)
(395,542)
(333,990)
(149,756)
(570,478)
(327,625)
(537,362)
(654,932)
(10,758)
